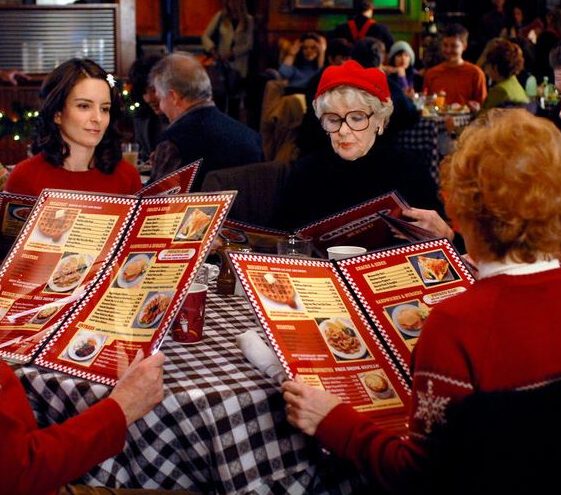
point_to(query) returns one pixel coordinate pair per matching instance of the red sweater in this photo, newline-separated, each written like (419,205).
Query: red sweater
(33,175)
(39,461)
(463,83)
(501,334)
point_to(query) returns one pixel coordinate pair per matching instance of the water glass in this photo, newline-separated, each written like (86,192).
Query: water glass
(295,246)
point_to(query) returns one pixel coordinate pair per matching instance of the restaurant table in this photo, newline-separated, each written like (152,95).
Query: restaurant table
(430,138)
(221,427)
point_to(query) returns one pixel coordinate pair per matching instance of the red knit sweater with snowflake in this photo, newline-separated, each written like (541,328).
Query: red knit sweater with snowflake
(501,334)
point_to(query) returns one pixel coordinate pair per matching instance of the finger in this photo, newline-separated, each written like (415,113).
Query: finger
(138,357)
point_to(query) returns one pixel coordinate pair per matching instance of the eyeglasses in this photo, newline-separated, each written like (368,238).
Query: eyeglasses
(357,120)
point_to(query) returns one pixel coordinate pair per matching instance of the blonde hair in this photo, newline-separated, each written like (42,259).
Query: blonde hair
(503,186)
(353,97)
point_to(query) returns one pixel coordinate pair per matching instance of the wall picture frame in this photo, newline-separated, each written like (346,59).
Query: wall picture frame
(348,6)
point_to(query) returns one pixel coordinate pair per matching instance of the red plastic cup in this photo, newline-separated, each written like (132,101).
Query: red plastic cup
(188,325)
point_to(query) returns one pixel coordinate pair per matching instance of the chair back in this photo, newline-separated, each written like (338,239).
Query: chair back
(259,186)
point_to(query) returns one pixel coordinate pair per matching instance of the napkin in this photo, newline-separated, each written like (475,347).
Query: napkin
(260,355)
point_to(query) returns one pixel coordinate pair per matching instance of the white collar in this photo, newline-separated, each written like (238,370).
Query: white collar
(508,267)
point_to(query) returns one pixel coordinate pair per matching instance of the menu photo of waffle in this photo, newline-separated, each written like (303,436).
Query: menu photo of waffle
(195,223)
(433,267)
(54,224)
(276,291)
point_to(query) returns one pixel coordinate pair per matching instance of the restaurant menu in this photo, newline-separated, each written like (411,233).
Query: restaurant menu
(177,182)
(15,208)
(365,224)
(93,278)
(349,326)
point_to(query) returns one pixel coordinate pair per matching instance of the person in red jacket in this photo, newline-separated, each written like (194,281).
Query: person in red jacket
(502,188)
(40,461)
(77,143)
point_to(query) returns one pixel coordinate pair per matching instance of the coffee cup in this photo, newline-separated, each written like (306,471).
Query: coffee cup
(189,322)
(342,252)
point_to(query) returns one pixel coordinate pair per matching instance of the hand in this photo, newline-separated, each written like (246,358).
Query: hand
(307,406)
(141,387)
(430,220)
(474,106)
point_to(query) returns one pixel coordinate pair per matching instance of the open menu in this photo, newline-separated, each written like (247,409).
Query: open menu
(93,278)
(15,208)
(368,224)
(349,326)
(177,182)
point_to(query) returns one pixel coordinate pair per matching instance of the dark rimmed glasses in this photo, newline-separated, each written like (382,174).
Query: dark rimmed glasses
(357,120)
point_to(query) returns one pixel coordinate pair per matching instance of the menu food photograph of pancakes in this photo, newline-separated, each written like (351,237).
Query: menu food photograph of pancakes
(433,268)
(195,223)
(54,224)
(276,291)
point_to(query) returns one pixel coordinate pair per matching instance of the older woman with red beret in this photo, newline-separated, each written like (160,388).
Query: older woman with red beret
(354,107)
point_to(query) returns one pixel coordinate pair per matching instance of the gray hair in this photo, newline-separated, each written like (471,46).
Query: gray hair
(183,73)
(351,97)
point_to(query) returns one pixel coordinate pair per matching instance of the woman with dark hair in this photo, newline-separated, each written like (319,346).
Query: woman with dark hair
(503,60)
(77,144)
(400,68)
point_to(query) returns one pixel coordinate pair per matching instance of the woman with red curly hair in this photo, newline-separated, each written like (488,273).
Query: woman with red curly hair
(503,61)
(503,189)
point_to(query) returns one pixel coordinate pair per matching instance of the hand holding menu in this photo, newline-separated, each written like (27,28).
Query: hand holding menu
(349,326)
(93,278)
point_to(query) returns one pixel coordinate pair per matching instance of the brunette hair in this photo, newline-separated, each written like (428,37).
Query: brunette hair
(455,30)
(506,56)
(54,93)
(502,186)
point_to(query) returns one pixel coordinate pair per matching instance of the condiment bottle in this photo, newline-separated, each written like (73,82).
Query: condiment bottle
(226,280)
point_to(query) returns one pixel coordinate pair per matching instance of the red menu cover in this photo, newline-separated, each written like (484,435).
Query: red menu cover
(360,225)
(337,324)
(93,278)
(177,182)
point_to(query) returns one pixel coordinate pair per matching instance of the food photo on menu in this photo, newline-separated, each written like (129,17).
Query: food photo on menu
(69,272)
(195,223)
(152,309)
(276,291)
(434,268)
(133,271)
(342,339)
(84,347)
(54,224)
(408,318)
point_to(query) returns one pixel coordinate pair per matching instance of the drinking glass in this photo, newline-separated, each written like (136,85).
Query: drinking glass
(295,246)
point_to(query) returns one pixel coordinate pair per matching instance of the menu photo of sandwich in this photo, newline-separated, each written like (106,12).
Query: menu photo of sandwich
(408,318)
(133,270)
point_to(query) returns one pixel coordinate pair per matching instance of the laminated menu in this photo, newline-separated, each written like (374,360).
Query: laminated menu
(177,182)
(93,278)
(371,224)
(14,208)
(349,326)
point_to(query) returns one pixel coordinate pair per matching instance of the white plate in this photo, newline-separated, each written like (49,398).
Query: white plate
(405,331)
(355,355)
(64,288)
(158,317)
(79,340)
(21,212)
(121,282)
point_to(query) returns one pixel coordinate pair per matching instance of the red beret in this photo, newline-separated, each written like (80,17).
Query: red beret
(353,74)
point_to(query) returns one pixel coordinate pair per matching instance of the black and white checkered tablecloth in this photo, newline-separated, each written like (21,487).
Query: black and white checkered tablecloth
(220,429)
(430,138)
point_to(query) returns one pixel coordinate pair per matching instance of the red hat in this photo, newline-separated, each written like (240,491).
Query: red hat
(353,74)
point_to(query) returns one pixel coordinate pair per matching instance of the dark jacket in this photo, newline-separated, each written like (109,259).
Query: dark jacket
(322,183)
(377,30)
(205,132)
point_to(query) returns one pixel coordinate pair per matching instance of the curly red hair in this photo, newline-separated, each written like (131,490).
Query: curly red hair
(503,186)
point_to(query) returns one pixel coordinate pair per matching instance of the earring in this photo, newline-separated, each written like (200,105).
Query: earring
(380,131)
